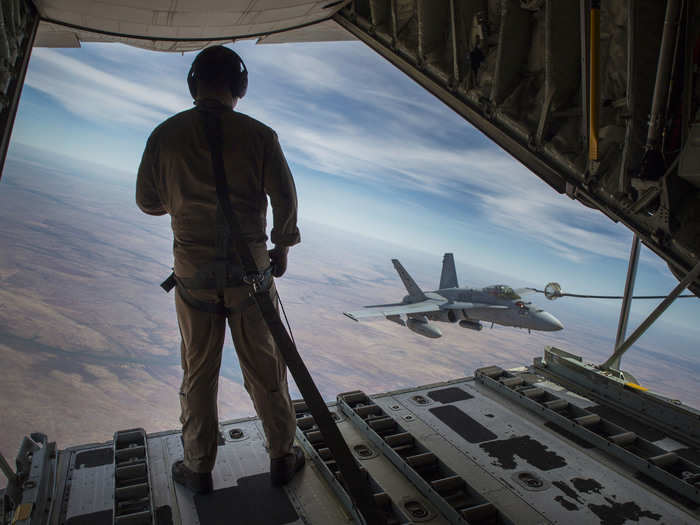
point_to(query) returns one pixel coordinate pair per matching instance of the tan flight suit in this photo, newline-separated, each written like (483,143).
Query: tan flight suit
(176,177)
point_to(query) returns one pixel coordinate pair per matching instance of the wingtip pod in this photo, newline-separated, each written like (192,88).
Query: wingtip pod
(351,316)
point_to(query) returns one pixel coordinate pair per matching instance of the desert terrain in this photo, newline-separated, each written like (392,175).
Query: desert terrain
(89,342)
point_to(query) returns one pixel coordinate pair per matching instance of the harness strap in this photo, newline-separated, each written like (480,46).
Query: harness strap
(221,263)
(212,129)
(205,278)
(218,308)
(355,481)
(210,282)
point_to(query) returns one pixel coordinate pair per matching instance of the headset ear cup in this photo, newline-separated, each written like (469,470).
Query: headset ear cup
(192,82)
(243,85)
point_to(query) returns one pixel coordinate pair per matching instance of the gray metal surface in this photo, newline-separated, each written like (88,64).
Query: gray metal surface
(497,490)
(428,489)
(91,489)
(677,419)
(530,472)
(637,452)
(401,491)
(328,476)
(618,488)
(313,443)
(236,459)
(133,497)
(37,481)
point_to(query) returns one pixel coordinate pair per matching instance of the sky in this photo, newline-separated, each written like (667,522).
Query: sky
(372,153)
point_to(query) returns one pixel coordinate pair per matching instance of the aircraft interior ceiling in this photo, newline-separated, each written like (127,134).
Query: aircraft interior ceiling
(184,25)
(599,99)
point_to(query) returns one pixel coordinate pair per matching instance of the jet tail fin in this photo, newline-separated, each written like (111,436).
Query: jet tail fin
(448,278)
(413,290)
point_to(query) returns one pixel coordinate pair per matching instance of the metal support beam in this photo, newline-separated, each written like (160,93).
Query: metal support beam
(663,73)
(624,175)
(627,299)
(594,80)
(7,469)
(583,31)
(653,316)
(17,74)
(453,45)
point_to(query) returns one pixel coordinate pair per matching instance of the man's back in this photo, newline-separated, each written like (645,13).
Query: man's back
(176,177)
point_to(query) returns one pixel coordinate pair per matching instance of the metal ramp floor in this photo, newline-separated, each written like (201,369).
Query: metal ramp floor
(464,451)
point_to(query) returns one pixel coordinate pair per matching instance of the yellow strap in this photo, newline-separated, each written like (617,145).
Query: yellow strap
(23,512)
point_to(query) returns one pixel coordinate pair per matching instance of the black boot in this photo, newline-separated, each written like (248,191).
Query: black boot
(200,483)
(282,469)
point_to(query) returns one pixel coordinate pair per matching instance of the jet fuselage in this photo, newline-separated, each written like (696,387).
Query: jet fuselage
(515,311)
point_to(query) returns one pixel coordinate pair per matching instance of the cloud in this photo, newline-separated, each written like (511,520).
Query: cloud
(534,214)
(362,121)
(97,95)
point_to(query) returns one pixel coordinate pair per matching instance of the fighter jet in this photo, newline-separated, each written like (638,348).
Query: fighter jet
(498,304)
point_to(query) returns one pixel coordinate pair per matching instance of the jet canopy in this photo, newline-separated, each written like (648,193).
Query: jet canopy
(502,291)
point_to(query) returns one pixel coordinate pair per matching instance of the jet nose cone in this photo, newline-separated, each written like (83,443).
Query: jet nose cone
(549,323)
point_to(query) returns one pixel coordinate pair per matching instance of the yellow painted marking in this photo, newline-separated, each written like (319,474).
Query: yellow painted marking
(23,512)
(635,386)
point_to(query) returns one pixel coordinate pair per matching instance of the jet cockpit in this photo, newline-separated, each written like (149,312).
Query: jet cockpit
(502,291)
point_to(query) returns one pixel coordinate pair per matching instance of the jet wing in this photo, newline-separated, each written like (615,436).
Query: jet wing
(472,306)
(385,310)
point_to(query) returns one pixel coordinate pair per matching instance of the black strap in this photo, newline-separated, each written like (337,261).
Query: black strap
(218,307)
(212,128)
(355,482)
(205,278)
(169,283)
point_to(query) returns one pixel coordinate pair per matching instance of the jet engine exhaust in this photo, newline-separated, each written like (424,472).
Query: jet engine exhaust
(472,325)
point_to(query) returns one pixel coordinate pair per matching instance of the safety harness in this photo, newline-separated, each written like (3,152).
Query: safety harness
(259,282)
(234,277)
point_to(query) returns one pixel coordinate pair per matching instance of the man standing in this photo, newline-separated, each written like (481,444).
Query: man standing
(176,177)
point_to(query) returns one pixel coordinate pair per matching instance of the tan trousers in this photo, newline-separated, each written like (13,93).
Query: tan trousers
(264,375)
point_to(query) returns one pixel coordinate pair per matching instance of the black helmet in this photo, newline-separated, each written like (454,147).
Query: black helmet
(219,62)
